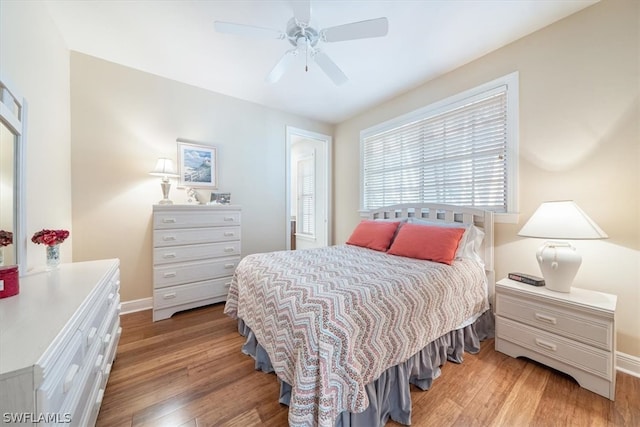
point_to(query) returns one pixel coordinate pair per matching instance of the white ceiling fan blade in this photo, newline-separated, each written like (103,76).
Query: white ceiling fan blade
(281,66)
(330,68)
(302,11)
(247,30)
(357,30)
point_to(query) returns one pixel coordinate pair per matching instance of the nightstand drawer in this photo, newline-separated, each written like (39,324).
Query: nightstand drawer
(579,326)
(584,357)
(171,254)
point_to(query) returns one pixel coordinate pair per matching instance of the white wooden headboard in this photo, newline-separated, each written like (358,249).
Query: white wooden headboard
(448,213)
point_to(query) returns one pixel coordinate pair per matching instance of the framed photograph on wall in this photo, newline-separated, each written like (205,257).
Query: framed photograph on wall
(197,165)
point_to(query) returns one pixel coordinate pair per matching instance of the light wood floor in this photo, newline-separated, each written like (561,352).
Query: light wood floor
(189,371)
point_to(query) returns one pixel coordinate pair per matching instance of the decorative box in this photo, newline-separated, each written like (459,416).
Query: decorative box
(9,285)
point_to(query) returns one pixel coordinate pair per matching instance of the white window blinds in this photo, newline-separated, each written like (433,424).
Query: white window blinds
(457,154)
(306,196)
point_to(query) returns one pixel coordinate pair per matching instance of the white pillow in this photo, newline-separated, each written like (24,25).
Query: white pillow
(470,242)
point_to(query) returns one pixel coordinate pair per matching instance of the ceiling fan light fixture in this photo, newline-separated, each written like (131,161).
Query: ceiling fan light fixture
(301,35)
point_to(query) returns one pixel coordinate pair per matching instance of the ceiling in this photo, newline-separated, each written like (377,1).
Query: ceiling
(177,40)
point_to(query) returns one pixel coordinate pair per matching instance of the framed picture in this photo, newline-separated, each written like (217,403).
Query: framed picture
(220,198)
(197,165)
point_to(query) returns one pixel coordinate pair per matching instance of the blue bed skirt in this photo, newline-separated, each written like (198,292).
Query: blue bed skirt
(389,395)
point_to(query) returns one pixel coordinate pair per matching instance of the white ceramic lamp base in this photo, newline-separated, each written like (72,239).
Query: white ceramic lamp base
(559,262)
(165,193)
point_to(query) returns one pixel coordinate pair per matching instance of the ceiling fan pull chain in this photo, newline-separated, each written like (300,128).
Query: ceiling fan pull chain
(306,57)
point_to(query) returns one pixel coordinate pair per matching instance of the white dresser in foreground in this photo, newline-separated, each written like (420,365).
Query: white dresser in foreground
(572,332)
(196,249)
(58,340)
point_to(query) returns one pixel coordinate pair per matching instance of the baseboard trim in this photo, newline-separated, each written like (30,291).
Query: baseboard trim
(136,305)
(628,364)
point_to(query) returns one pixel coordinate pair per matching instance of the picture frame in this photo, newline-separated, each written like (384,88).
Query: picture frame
(197,165)
(220,198)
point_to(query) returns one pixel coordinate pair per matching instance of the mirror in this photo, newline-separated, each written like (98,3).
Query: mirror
(8,255)
(12,215)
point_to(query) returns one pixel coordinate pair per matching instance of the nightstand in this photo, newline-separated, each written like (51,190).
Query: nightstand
(572,332)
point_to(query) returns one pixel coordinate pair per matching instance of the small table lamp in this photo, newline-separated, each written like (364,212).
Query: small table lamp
(164,168)
(559,261)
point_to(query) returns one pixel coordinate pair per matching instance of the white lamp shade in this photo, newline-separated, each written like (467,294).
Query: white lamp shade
(164,167)
(561,220)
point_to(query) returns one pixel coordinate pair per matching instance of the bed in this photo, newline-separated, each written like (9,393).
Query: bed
(347,328)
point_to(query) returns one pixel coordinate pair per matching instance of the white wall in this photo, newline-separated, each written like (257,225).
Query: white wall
(123,120)
(579,139)
(35,58)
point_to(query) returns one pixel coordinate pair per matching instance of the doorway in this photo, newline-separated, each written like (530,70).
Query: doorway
(308,192)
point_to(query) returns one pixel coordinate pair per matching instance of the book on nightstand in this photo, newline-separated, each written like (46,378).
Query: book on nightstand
(527,278)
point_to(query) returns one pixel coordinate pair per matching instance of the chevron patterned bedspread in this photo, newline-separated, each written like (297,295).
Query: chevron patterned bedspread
(334,319)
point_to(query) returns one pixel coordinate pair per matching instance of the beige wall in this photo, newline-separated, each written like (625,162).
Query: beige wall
(579,139)
(123,120)
(35,59)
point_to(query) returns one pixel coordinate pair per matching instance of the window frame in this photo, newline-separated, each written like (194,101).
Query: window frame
(511,81)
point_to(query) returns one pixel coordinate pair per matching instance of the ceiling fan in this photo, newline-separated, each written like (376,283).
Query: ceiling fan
(305,39)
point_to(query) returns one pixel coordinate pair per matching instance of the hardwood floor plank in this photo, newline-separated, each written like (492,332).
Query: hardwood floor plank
(516,411)
(189,371)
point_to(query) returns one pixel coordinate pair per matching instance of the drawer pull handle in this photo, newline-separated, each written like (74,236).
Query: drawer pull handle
(231,265)
(169,220)
(545,344)
(99,361)
(169,255)
(171,274)
(98,401)
(110,298)
(68,380)
(229,233)
(547,319)
(107,370)
(107,339)
(91,335)
(169,296)
(229,249)
(169,238)
(228,218)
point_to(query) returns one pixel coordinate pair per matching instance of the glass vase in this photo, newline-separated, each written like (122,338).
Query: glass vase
(53,257)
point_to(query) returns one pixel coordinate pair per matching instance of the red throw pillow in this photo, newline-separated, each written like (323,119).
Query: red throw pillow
(427,242)
(374,235)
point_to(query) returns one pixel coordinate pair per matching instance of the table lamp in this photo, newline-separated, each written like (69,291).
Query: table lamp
(164,168)
(563,220)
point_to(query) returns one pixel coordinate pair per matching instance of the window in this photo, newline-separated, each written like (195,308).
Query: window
(306,196)
(462,151)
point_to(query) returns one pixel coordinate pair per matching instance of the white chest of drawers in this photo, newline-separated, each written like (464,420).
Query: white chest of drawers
(58,340)
(195,252)
(571,332)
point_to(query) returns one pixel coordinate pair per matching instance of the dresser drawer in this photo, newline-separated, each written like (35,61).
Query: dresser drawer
(584,357)
(62,379)
(171,254)
(178,274)
(188,236)
(177,219)
(560,320)
(175,295)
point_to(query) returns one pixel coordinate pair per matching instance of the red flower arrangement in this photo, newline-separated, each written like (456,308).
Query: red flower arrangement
(50,237)
(6,238)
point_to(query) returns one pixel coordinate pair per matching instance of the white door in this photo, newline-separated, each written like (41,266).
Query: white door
(308,189)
